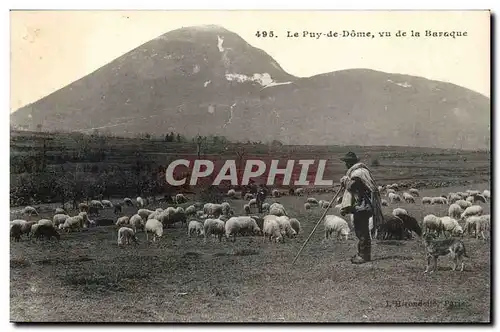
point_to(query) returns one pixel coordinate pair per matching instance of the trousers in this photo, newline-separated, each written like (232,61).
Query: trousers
(362,231)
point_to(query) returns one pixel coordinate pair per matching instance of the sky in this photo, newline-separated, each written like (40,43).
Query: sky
(51,49)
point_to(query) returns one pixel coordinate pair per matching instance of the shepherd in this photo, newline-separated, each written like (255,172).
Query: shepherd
(362,199)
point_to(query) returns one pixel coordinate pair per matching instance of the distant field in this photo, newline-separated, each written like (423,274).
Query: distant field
(87,278)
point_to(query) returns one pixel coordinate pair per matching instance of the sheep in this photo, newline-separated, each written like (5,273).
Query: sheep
(432,223)
(472,192)
(335,224)
(455,211)
(136,222)
(190,210)
(463,204)
(285,226)
(295,225)
(325,204)
(59,218)
(29,211)
(247,209)
(144,213)
(265,207)
(226,208)
(391,227)
(200,214)
(172,215)
(470,199)
(312,201)
(16,230)
(384,202)
(106,203)
(320,203)
(451,226)
(474,210)
(34,227)
(487,194)
(75,222)
(252,202)
(276,193)
(155,227)
(45,231)
(241,225)
(452,198)
(439,200)
(195,226)
(394,197)
(479,198)
(414,192)
(125,234)
(213,210)
(128,201)
(307,206)
(271,230)
(140,201)
(117,209)
(426,200)
(248,196)
(410,224)
(390,191)
(155,215)
(408,198)
(231,193)
(122,221)
(299,191)
(180,198)
(397,211)
(24,227)
(214,227)
(59,211)
(477,223)
(45,222)
(338,207)
(96,204)
(277,209)
(83,207)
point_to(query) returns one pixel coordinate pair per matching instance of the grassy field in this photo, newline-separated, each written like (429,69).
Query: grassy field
(86,277)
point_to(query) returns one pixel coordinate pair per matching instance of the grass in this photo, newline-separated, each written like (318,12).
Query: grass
(181,279)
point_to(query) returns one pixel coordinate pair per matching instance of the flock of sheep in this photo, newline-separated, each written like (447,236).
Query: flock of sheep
(219,220)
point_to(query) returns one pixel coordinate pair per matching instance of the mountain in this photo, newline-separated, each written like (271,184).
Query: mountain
(208,80)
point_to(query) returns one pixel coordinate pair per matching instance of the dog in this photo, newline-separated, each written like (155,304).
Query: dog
(435,248)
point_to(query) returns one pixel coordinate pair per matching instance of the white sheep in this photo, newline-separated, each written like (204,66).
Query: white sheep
(453,197)
(307,206)
(200,214)
(472,192)
(299,191)
(247,209)
(432,223)
(487,194)
(154,227)
(338,207)
(96,204)
(408,198)
(156,214)
(30,211)
(59,211)
(295,225)
(59,218)
(180,198)
(479,224)
(394,197)
(231,193)
(325,204)
(122,221)
(75,222)
(106,203)
(334,224)
(144,213)
(439,200)
(474,210)
(277,209)
(226,208)
(140,202)
(320,203)
(414,192)
(276,193)
(214,227)
(463,204)
(136,222)
(252,202)
(426,200)
(125,235)
(455,211)
(390,191)
(191,210)
(172,215)
(128,201)
(397,211)
(213,210)
(265,207)
(271,230)
(242,225)
(195,226)
(285,226)
(470,199)
(248,196)
(451,226)
(46,222)
(383,202)
(312,201)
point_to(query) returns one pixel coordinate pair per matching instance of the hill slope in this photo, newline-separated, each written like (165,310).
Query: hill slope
(208,80)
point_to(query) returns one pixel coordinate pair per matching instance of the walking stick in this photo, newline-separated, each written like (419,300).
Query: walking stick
(319,221)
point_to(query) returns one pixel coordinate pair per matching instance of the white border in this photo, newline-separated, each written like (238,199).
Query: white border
(187,4)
